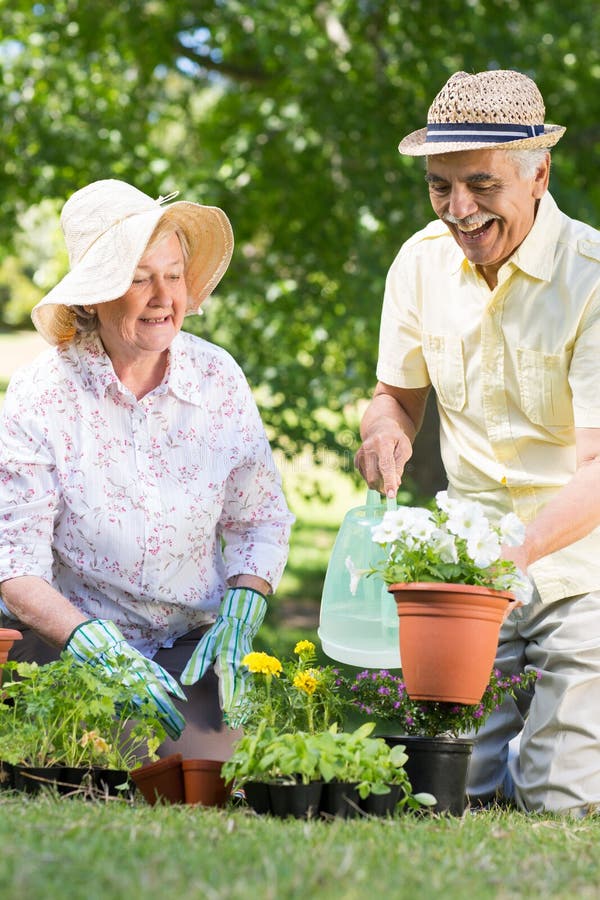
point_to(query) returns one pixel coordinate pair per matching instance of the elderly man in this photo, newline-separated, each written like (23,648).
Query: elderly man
(497,306)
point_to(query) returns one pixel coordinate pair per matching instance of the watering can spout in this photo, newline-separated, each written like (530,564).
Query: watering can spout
(359,628)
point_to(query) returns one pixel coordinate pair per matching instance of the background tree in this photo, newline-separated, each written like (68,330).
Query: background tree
(287,115)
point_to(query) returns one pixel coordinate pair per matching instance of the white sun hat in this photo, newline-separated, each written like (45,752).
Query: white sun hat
(107,226)
(497,109)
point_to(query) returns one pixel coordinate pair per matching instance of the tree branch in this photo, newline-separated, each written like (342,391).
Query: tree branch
(227,70)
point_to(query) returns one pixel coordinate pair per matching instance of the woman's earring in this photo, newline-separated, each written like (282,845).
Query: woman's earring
(90,309)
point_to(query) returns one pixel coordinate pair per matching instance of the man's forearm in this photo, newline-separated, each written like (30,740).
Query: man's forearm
(43,609)
(568,517)
(382,408)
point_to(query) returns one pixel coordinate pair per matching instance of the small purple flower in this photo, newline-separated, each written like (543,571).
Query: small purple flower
(385,691)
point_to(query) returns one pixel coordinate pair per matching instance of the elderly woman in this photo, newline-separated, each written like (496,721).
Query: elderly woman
(141,513)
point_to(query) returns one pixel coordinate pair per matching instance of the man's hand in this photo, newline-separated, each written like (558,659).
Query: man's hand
(388,429)
(382,458)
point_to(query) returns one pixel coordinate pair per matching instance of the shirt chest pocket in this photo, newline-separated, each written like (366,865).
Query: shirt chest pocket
(544,387)
(445,363)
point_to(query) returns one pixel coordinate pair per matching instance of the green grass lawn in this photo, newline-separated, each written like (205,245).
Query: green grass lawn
(91,850)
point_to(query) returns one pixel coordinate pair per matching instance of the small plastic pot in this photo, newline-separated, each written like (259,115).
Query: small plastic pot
(340,799)
(300,801)
(258,797)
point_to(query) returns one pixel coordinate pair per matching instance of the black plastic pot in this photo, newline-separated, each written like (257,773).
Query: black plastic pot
(340,799)
(33,779)
(6,776)
(71,781)
(439,766)
(258,796)
(301,801)
(109,782)
(381,804)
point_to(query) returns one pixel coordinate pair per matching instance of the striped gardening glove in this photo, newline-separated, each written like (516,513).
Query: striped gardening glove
(100,643)
(227,642)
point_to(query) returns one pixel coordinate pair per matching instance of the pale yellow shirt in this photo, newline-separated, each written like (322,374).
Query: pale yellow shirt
(515,370)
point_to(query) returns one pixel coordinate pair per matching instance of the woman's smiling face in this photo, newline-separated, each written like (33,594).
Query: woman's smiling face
(149,315)
(488,205)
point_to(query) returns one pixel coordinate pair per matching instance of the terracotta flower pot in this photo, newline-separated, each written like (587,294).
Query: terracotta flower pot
(161,781)
(448,638)
(203,782)
(7,638)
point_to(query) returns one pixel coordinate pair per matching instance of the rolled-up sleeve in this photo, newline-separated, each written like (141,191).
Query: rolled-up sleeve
(29,495)
(401,361)
(255,522)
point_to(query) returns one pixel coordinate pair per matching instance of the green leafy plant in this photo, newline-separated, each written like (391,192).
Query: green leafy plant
(69,714)
(453,543)
(381,695)
(331,755)
(293,695)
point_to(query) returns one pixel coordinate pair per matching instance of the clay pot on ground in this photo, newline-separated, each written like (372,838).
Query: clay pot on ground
(203,782)
(161,781)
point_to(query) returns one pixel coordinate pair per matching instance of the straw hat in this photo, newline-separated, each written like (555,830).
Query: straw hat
(500,109)
(107,226)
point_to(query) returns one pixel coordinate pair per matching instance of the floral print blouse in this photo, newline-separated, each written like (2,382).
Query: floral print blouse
(138,511)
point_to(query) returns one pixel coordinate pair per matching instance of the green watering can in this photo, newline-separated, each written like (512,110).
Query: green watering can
(359,629)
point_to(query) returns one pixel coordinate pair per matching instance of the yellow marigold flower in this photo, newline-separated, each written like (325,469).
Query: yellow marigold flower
(304,647)
(261,663)
(306,681)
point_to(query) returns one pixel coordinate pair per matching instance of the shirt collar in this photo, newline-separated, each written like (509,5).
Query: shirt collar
(183,374)
(181,377)
(535,256)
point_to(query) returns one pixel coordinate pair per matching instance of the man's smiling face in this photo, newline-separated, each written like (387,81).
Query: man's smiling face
(488,205)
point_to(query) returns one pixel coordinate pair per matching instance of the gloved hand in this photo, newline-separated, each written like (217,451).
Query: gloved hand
(99,642)
(227,642)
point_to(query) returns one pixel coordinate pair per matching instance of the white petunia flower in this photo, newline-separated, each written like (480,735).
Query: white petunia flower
(355,574)
(512,530)
(419,527)
(467,519)
(483,548)
(385,532)
(444,545)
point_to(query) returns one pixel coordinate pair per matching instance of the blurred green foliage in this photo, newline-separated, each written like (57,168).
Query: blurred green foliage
(288,116)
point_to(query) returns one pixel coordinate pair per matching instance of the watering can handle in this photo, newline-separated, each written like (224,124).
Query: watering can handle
(374,499)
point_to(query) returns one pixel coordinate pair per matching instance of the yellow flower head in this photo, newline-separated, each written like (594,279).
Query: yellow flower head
(304,648)
(96,740)
(306,681)
(261,663)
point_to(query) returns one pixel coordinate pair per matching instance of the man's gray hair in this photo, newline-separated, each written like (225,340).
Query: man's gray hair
(528,161)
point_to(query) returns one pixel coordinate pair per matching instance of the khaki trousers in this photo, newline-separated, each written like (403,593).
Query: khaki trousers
(205,736)
(556,766)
